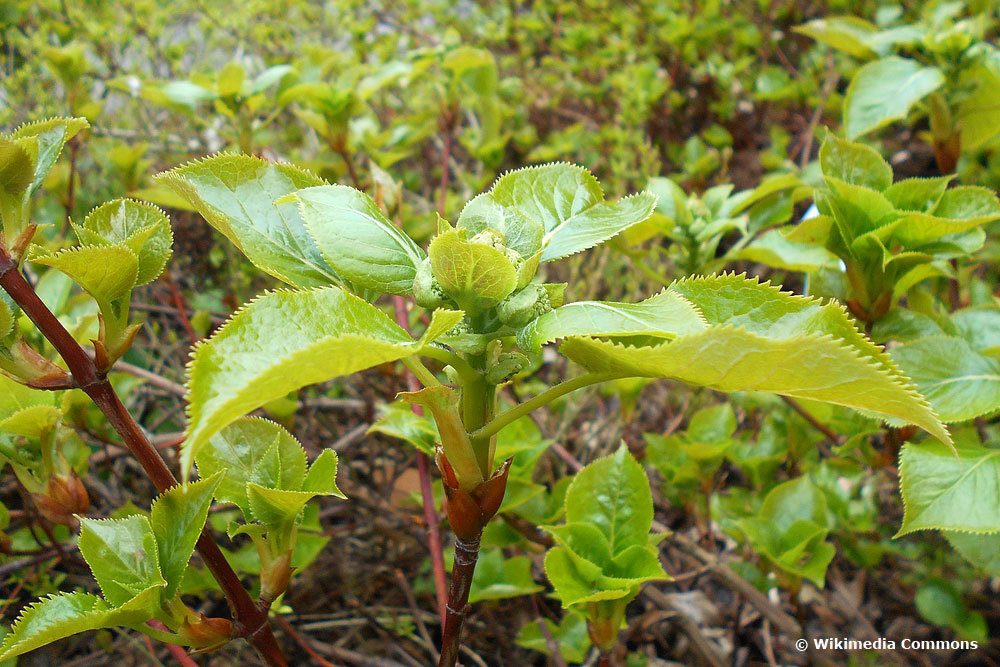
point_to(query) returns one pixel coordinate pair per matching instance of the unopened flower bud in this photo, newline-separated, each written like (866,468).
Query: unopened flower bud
(204,633)
(64,497)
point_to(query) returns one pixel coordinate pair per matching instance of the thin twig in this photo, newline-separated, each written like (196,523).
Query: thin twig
(251,620)
(832,77)
(834,439)
(421,627)
(302,641)
(152,378)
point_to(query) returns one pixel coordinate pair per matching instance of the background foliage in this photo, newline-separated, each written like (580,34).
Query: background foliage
(788,518)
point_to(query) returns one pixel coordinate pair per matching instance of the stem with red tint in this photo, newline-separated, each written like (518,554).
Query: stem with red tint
(251,620)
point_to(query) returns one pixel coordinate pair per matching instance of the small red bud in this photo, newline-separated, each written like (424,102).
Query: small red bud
(64,497)
(204,633)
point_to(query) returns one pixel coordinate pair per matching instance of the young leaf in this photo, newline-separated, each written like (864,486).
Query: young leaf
(959,382)
(790,529)
(358,241)
(981,327)
(283,341)
(883,91)
(66,614)
(918,194)
(276,507)
(761,339)
(7,320)
(142,228)
(123,555)
(568,202)
(942,491)
(776,250)
(322,476)
(476,274)
(398,420)
(236,195)
(255,450)
(612,494)
(666,315)
(177,518)
(16,171)
(14,397)
(44,140)
(604,549)
(499,578)
(958,210)
(571,637)
(849,34)
(107,273)
(978,116)
(854,163)
(983,551)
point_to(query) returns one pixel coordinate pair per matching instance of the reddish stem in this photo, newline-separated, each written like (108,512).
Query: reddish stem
(178,652)
(447,125)
(251,619)
(466,555)
(179,303)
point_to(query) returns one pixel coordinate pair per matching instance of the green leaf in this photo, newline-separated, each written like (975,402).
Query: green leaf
(142,228)
(185,93)
(958,210)
(32,422)
(790,529)
(854,163)
(940,602)
(476,274)
(123,555)
(16,169)
(612,494)
(918,194)
(16,172)
(230,80)
(983,551)
(761,339)
(177,518)
(236,195)
(776,250)
(571,637)
(58,616)
(556,208)
(255,450)
(666,315)
(942,491)
(44,140)
(278,508)
(575,582)
(604,549)
(849,34)
(884,91)
(322,476)
(499,578)
(981,327)
(357,240)
(597,224)
(978,116)
(268,78)
(959,382)
(283,341)
(9,313)
(398,420)
(15,397)
(107,273)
